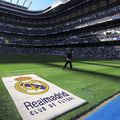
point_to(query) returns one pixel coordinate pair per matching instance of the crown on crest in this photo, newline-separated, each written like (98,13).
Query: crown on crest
(23,78)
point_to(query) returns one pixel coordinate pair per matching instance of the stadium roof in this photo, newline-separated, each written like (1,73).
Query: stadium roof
(37,4)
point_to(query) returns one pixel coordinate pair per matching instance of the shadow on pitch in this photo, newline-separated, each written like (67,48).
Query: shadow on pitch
(111,62)
(90,63)
(11,59)
(86,71)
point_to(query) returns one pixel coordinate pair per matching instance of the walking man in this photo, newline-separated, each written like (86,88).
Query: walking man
(68,58)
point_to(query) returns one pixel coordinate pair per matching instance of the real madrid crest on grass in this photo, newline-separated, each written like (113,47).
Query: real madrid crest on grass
(38,99)
(30,86)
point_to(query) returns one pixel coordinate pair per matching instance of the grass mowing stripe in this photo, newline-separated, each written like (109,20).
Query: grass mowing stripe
(22,71)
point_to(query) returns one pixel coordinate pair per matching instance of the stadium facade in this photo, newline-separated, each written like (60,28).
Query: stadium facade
(92,27)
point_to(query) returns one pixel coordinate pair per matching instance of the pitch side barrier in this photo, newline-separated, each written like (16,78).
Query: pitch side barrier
(97,44)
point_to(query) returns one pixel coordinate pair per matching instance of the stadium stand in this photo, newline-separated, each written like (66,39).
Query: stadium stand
(75,22)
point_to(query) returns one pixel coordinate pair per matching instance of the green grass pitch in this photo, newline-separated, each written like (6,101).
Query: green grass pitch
(92,80)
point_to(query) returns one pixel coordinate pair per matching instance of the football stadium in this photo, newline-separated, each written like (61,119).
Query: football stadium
(61,62)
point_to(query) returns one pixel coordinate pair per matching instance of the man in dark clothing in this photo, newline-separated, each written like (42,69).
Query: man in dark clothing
(68,58)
